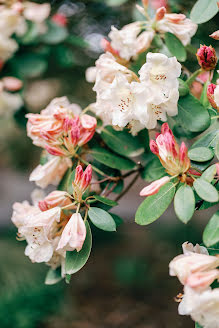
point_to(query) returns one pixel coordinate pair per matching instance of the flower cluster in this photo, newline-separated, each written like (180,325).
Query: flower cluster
(52,226)
(123,99)
(197,270)
(60,129)
(13,21)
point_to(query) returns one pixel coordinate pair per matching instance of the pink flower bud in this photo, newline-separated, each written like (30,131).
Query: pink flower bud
(55,198)
(160,13)
(154,147)
(154,187)
(81,182)
(207,58)
(215,35)
(59,19)
(12,83)
(88,122)
(106,46)
(202,280)
(87,176)
(210,95)
(78,174)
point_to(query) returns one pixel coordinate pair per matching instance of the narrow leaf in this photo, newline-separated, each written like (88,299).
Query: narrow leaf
(184,203)
(154,206)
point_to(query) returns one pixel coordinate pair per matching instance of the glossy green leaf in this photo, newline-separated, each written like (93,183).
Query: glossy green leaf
(55,34)
(154,206)
(183,88)
(192,115)
(211,232)
(101,219)
(122,142)
(203,11)
(153,170)
(175,46)
(201,154)
(112,160)
(205,190)
(53,276)
(208,140)
(76,260)
(184,203)
(208,175)
(105,200)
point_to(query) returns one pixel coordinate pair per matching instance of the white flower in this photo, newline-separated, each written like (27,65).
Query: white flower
(179,25)
(90,74)
(61,104)
(7,47)
(9,103)
(73,235)
(21,211)
(203,307)
(51,172)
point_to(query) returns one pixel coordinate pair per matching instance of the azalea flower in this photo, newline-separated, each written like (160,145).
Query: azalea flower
(179,25)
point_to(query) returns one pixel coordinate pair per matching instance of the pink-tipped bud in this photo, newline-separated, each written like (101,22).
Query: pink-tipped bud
(55,198)
(202,280)
(12,83)
(207,58)
(215,35)
(60,19)
(88,122)
(154,187)
(160,13)
(154,147)
(78,174)
(210,95)
(86,179)
(106,46)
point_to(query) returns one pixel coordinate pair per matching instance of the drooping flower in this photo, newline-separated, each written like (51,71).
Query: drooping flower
(51,172)
(59,129)
(73,235)
(154,187)
(207,58)
(179,25)
(81,182)
(213,95)
(173,158)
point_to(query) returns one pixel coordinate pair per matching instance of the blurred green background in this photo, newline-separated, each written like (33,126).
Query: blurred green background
(125,282)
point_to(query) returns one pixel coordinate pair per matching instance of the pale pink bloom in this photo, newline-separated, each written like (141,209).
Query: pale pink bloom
(188,248)
(60,19)
(73,235)
(215,35)
(160,13)
(12,83)
(154,187)
(54,199)
(201,280)
(82,181)
(36,12)
(173,158)
(21,211)
(179,25)
(203,306)
(207,58)
(213,95)
(51,172)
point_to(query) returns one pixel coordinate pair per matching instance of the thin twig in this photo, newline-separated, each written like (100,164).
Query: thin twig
(128,187)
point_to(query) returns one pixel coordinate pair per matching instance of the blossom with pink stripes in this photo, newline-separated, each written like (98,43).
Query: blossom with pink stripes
(173,158)
(81,182)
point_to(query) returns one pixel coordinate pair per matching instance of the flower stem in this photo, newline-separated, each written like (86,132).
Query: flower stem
(193,76)
(128,187)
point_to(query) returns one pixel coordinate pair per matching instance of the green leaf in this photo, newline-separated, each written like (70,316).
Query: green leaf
(208,175)
(31,35)
(55,34)
(29,65)
(101,219)
(112,160)
(205,190)
(64,182)
(77,41)
(208,140)
(197,325)
(183,88)
(217,149)
(53,276)
(67,278)
(203,11)
(184,203)
(76,260)
(153,170)
(175,46)
(122,142)
(211,232)
(154,206)
(71,178)
(201,154)
(105,200)
(192,115)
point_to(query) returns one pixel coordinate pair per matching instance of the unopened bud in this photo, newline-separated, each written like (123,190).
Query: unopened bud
(160,13)
(211,95)
(207,58)
(215,35)
(154,147)
(106,46)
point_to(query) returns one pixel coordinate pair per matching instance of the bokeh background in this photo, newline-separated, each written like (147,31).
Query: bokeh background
(125,282)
